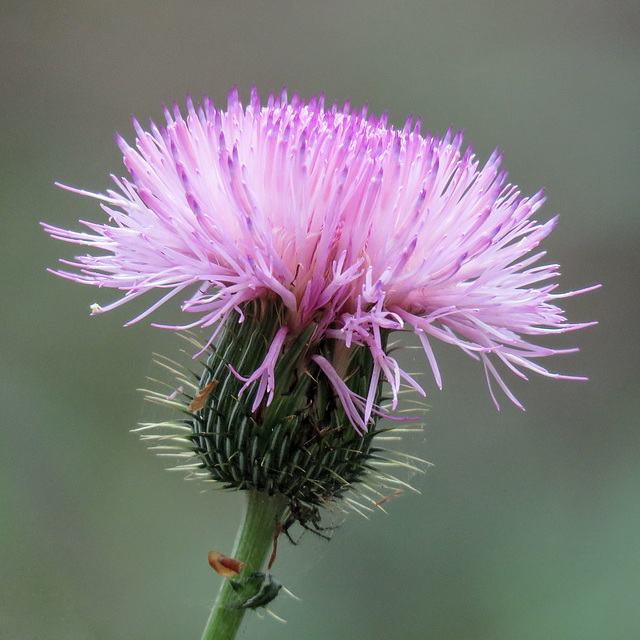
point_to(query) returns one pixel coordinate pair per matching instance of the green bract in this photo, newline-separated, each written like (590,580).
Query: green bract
(301,445)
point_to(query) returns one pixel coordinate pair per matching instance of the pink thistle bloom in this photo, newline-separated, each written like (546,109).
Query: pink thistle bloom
(353,225)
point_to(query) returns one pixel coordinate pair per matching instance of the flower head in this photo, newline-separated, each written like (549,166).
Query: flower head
(351,228)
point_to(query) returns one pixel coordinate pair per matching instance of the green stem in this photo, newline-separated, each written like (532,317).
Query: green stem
(254,541)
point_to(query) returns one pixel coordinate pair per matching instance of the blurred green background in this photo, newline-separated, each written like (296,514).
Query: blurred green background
(528,525)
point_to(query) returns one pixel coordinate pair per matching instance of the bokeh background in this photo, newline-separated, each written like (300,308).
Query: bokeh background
(528,525)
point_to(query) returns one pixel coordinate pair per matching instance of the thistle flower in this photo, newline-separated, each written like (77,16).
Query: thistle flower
(355,228)
(299,238)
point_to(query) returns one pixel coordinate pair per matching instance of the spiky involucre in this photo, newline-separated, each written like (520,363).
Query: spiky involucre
(354,226)
(300,446)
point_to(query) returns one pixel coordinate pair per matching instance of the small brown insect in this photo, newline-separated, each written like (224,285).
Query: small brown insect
(200,399)
(226,567)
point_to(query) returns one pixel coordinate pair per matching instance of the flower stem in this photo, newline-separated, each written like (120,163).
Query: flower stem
(254,541)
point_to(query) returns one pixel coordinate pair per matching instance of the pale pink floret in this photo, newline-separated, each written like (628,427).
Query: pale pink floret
(354,225)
